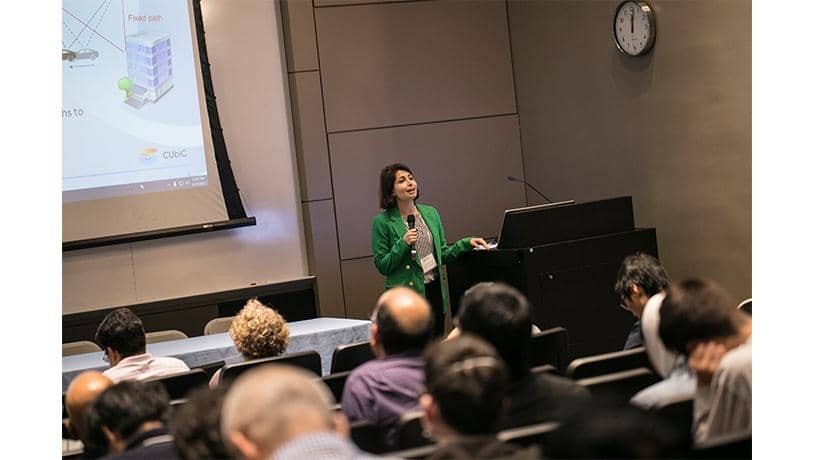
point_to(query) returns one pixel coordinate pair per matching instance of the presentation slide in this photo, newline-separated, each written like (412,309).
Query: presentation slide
(131,108)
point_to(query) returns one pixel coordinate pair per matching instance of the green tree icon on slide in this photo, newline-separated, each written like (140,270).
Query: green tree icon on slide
(125,84)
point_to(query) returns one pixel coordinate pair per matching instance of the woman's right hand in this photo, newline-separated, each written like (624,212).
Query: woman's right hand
(410,236)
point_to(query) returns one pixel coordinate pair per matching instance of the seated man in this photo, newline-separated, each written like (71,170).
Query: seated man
(466,383)
(501,315)
(679,383)
(132,415)
(281,412)
(639,278)
(383,389)
(122,338)
(699,319)
(84,388)
(258,332)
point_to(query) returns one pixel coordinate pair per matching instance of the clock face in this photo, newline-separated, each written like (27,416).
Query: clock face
(634,28)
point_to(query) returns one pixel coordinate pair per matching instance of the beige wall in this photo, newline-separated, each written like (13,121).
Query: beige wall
(672,129)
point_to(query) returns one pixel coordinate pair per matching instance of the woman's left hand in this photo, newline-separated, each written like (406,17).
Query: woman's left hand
(479,243)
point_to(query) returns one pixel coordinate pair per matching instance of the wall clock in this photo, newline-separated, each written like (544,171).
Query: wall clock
(634,28)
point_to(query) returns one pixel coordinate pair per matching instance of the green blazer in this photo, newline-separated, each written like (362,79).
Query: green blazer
(392,256)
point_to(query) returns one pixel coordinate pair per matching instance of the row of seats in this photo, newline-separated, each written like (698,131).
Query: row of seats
(86,346)
(623,371)
(215,326)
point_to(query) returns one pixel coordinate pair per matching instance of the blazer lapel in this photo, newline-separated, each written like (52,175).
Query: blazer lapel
(397,224)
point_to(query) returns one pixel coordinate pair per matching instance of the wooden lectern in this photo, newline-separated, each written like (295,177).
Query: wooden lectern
(565,258)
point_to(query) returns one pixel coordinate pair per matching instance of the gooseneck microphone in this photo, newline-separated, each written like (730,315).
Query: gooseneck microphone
(411,225)
(514,179)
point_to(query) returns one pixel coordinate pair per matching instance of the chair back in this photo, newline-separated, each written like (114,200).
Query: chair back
(80,347)
(211,368)
(309,360)
(607,363)
(550,346)
(745,305)
(178,385)
(367,436)
(545,369)
(409,433)
(620,386)
(415,453)
(347,357)
(165,336)
(537,434)
(218,325)
(336,383)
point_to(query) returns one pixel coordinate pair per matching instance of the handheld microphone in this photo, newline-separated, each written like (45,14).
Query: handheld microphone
(411,225)
(513,179)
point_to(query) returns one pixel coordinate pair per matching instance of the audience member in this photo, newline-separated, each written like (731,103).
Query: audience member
(257,331)
(698,319)
(196,425)
(678,383)
(132,415)
(82,391)
(640,277)
(122,338)
(466,383)
(501,315)
(606,430)
(280,412)
(383,389)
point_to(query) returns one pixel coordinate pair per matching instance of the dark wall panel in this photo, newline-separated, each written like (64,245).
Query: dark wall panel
(461,168)
(299,35)
(362,285)
(319,3)
(310,136)
(415,62)
(324,260)
(672,129)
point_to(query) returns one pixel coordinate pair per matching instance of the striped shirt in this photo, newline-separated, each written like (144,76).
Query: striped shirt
(424,245)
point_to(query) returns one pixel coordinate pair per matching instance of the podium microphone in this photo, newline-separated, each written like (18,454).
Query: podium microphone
(411,225)
(513,179)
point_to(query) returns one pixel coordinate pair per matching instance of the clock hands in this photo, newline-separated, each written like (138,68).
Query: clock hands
(632,21)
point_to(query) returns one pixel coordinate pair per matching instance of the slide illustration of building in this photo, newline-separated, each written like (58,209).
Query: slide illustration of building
(149,64)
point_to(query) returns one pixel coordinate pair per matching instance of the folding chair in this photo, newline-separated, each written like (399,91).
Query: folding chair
(347,357)
(607,363)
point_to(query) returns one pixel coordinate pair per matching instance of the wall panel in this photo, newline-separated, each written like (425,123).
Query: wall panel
(414,62)
(461,168)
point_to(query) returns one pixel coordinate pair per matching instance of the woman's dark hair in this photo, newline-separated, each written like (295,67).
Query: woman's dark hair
(125,406)
(388,176)
(697,310)
(196,425)
(468,381)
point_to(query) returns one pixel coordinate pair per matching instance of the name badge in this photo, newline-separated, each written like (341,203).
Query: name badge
(428,263)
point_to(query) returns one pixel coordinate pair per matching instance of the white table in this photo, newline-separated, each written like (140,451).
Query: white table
(322,335)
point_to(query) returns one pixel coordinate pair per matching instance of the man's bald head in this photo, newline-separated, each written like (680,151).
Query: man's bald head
(403,321)
(80,394)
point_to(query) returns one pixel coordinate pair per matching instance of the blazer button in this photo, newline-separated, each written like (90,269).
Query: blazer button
(410,283)
(407,267)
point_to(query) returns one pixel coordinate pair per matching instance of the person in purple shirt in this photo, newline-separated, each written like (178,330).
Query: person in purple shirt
(383,389)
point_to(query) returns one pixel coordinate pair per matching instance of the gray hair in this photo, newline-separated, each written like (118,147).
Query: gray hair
(264,403)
